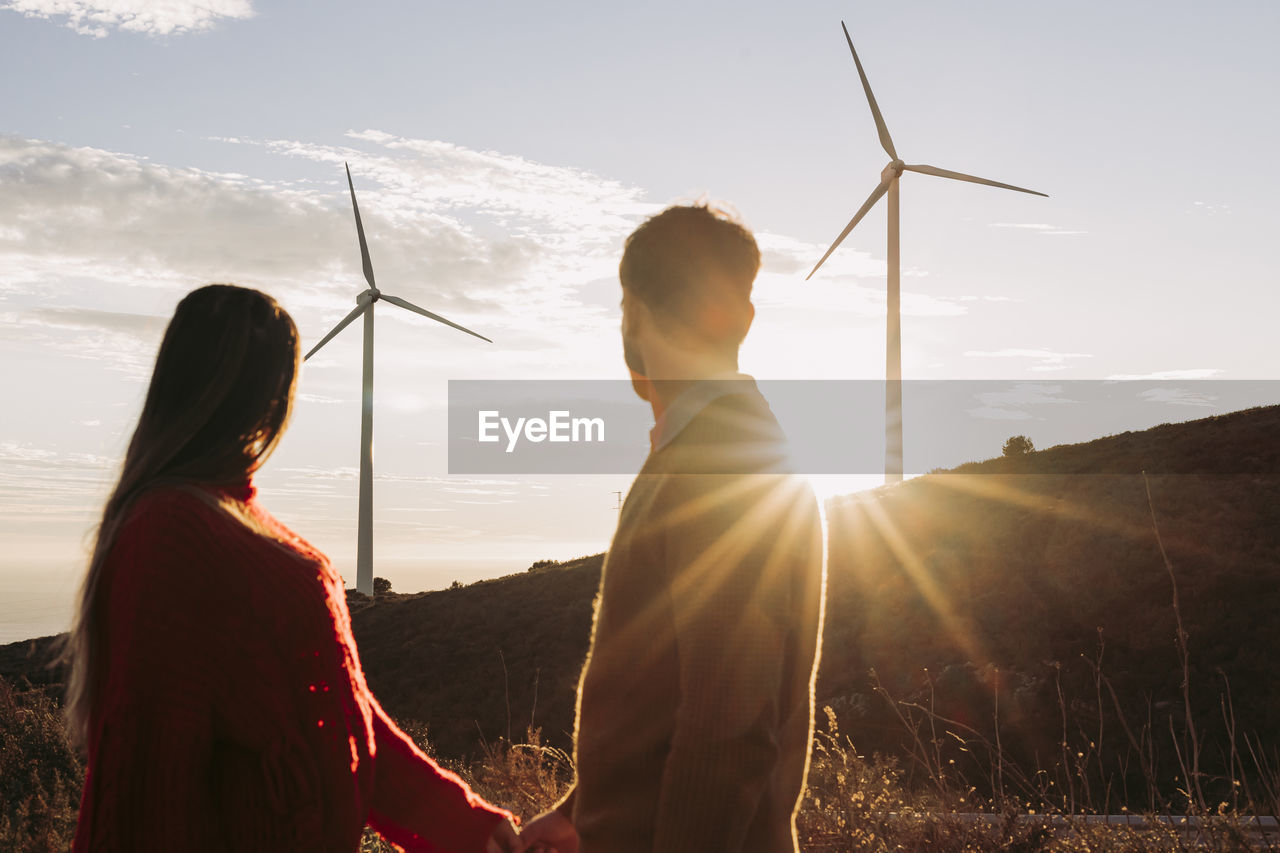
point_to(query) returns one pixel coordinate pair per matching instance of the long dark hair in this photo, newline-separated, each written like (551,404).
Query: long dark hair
(219,400)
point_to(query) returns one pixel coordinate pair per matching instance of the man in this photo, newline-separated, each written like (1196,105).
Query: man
(695,706)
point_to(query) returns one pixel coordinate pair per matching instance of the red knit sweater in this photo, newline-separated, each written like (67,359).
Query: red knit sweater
(233,714)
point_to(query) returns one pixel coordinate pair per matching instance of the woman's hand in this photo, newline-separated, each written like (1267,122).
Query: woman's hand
(504,840)
(550,831)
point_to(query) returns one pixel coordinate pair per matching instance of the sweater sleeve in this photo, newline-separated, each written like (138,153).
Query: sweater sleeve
(733,548)
(148,785)
(420,806)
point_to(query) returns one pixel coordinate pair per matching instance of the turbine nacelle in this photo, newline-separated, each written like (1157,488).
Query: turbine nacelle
(893,170)
(372,294)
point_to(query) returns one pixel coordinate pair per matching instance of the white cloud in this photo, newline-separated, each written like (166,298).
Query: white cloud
(49,486)
(477,491)
(1159,375)
(94,214)
(98,18)
(415,179)
(1178,397)
(819,299)
(836,289)
(1044,360)
(516,249)
(993,413)
(118,341)
(489,240)
(143,326)
(1011,405)
(788,256)
(1209,209)
(18,452)
(1038,227)
(499,228)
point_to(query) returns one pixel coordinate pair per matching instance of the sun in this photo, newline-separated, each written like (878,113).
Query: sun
(827,486)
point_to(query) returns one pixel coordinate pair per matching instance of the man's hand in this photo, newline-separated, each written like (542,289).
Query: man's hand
(550,831)
(504,840)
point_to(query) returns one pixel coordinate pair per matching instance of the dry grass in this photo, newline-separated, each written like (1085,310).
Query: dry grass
(853,802)
(40,774)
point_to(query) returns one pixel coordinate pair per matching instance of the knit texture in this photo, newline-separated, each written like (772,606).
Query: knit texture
(695,708)
(233,714)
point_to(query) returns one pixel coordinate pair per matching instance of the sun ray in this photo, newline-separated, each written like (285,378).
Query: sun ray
(919,574)
(776,508)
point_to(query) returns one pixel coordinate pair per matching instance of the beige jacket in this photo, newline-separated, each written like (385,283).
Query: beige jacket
(695,706)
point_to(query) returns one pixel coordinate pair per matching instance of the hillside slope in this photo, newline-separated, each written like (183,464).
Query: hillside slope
(1032,582)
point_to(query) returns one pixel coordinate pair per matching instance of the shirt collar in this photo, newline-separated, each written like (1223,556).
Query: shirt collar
(692,400)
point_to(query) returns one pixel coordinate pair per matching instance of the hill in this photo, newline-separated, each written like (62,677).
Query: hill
(482,661)
(1026,590)
(1035,588)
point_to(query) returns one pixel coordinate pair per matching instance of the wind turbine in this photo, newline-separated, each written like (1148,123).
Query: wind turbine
(893,341)
(364,305)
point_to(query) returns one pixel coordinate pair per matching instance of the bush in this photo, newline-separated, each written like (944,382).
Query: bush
(40,773)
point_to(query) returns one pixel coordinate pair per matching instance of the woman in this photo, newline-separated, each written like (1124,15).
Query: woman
(214,678)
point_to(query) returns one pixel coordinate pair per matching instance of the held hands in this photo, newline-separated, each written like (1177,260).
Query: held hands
(504,840)
(550,831)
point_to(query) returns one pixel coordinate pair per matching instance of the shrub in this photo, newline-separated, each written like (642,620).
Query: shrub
(40,773)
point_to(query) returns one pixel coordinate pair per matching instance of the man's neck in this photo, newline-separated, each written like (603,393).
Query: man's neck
(671,384)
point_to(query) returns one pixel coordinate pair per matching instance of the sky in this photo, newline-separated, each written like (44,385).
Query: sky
(502,152)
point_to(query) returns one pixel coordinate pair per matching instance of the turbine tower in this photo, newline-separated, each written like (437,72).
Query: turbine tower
(364,306)
(893,340)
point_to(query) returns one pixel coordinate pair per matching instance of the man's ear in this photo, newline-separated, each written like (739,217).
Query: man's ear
(751,315)
(640,316)
(634,312)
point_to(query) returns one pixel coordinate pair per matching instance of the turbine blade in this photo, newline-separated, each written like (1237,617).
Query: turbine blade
(346,321)
(881,128)
(960,176)
(396,300)
(364,247)
(857,217)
